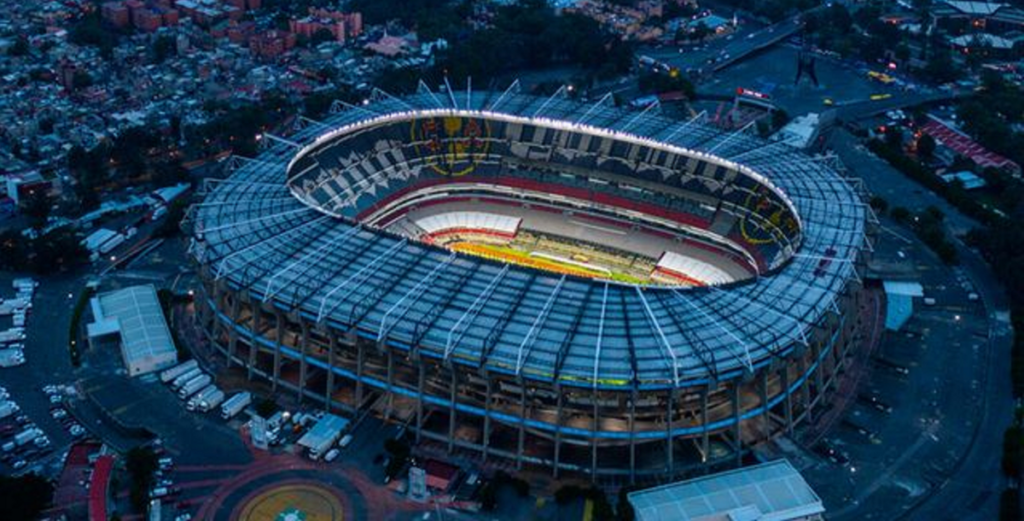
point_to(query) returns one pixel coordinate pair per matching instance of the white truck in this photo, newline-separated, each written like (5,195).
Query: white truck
(184,378)
(27,436)
(7,409)
(235,405)
(24,283)
(193,402)
(194,385)
(170,374)
(14,305)
(210,402)
(112,243)
(15,334)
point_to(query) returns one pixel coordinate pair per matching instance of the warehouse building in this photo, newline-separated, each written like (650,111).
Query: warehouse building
(133,319)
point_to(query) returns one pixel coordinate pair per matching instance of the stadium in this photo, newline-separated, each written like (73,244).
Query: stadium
(549,282)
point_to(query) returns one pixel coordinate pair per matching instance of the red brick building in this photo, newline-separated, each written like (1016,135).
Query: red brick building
(138,14)
(271,44)
(341,25)
(116,14)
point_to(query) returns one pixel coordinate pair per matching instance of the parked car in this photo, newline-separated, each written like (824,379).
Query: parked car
(331,455)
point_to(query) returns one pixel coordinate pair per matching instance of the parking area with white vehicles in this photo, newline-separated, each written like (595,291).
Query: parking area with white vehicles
(198,391)
(18,307)
(22,442)
(194,385)
(235,405)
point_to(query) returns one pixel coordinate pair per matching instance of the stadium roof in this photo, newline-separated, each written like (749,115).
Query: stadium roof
(259,237)
(772,491)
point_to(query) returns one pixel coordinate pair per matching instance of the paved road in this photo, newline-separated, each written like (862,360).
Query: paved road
(719,53)
(972,489)
(864,109)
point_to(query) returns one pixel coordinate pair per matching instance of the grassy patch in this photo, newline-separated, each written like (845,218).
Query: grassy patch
(74,349)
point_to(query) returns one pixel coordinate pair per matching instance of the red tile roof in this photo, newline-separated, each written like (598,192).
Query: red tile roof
(962,144)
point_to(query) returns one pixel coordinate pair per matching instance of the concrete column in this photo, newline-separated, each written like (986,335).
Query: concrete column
(232,331)
(487,417)
(632,436)
(596,425)
(419,402)
(360,360)
(451,412)
(522,424)
(805,388)
(332,347)
(303,350)
(254,333)
(558,429)
(788,404)
(279,339)
(737,433)
(819,377)
(389,399)
(705,438)
(766,426)
(669,449)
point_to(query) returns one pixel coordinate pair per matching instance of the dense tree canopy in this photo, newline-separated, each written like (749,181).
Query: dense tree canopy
(57,250)
(25,497)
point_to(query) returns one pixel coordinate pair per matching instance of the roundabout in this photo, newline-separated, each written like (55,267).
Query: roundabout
(293,502)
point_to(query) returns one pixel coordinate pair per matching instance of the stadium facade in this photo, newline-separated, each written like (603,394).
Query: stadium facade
(313,283)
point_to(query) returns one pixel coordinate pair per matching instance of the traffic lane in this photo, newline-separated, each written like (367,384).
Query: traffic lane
(726,49)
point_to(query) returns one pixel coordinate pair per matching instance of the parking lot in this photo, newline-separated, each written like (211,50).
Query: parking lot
(914,413)
(46,364)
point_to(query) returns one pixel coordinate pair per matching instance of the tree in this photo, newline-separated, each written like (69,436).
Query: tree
(265,407)
(320,36)
(700,32)
(36,207)
(25,497)
(140,462)
(163,47)
(15,250)
(60,249)
(81,80)
(89,30)
(20,47)
(779,118)
(1009,505)
(1013,452)
(879,204)
(399,450)
(940,67)
(900,214)
(894,138)
(925,146)
(171,224)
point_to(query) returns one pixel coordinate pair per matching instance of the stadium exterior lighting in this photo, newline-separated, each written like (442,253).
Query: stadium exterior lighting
(587,375)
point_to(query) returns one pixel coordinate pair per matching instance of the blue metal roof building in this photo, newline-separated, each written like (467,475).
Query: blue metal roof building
(292,273)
